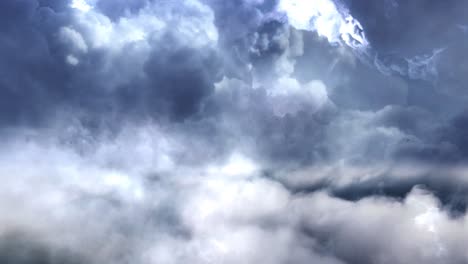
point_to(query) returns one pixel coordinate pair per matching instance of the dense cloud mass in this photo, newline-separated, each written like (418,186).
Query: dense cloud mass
(240,131)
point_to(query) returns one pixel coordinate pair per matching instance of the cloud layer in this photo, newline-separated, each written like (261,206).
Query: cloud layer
(204,131)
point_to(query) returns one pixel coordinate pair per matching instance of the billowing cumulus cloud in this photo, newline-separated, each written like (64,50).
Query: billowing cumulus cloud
(204,131)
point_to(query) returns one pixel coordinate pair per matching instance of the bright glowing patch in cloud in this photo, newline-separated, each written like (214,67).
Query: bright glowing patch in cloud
(236,166)
(81,5)
(327,19)
(72,60)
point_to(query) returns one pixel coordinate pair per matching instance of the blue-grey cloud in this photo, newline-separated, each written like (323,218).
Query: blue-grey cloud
(246,131)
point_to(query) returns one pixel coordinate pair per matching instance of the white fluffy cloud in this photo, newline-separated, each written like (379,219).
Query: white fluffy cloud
(225,212)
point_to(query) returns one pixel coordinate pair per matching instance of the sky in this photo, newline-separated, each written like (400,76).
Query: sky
(233,131)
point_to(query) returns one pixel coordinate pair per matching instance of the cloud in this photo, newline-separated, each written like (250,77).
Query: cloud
(89,62)
(356,223)
(18,248)
(329,19)
(226,212)
(414,51)
(221,132)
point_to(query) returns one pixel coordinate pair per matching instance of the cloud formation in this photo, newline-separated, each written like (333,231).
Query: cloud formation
(204,131)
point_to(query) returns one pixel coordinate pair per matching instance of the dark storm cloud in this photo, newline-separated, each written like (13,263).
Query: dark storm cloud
(180,79)
(237,23)
(417,39)
(120,8)
(56,5)
(410,28)
(17,248)
(30,73)
(344,76)
(48,65)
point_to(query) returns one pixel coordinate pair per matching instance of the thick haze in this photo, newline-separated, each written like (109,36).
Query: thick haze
(233,131)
